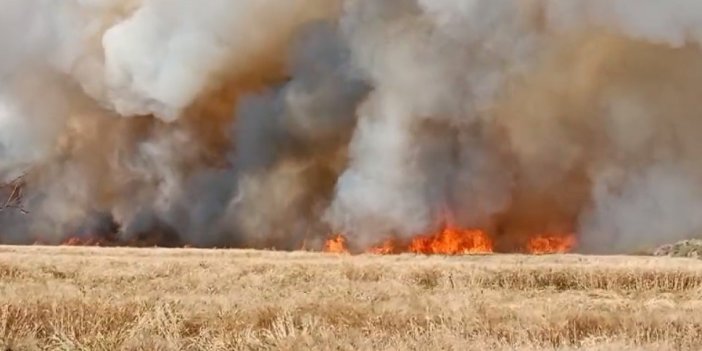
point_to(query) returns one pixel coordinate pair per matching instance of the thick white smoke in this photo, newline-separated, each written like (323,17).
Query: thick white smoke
(448,75)
(274,123)
(162,57)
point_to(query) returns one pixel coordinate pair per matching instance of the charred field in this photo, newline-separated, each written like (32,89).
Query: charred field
(91,298)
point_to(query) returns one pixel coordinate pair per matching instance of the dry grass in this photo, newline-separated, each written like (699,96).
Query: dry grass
(152,299)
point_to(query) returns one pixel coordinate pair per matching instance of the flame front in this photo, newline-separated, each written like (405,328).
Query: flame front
(453,241)
(456,241)
(388,247)
(550,244)
(337,245)
(89,241)
(448,241)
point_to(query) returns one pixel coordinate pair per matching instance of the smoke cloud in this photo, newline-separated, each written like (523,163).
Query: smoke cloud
(272,123)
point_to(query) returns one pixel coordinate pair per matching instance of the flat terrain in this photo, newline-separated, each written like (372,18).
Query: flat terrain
(157,299)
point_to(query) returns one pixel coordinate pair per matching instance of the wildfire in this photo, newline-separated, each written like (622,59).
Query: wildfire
(453,241)
(550,244)
(388,247)
(337,245)
(90,241)
(105,239)
(449,241)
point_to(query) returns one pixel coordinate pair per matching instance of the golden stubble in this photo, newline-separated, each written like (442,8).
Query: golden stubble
(186,299)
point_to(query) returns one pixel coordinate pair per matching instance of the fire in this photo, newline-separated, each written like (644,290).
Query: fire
(449,241)
(453,241)
(90,241)
(337,245)
(107,239)
(388,247)
(456,241)
(550,244)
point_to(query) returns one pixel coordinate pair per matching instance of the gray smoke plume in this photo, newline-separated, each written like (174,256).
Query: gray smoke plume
(272,123)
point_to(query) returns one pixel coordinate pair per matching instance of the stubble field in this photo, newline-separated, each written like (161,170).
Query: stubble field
(156,299)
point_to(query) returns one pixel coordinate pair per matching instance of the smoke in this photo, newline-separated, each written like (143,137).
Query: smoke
(271,123)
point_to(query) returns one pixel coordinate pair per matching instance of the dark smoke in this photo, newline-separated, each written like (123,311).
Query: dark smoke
(273,123)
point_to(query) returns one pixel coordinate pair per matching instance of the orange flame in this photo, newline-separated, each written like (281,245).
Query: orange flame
(90,241)
(388,247)
(456,241)
(448,241)
(550,244)
(453,241)
(336,245)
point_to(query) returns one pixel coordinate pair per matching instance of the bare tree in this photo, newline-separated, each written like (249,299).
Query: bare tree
(14,190)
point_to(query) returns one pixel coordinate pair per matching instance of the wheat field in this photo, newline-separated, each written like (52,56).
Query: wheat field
(70,298)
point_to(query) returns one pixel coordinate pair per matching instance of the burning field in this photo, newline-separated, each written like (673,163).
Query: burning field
(361,126)
(455,241)
(461,153)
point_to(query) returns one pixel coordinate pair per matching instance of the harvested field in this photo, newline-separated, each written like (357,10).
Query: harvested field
(72,298)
